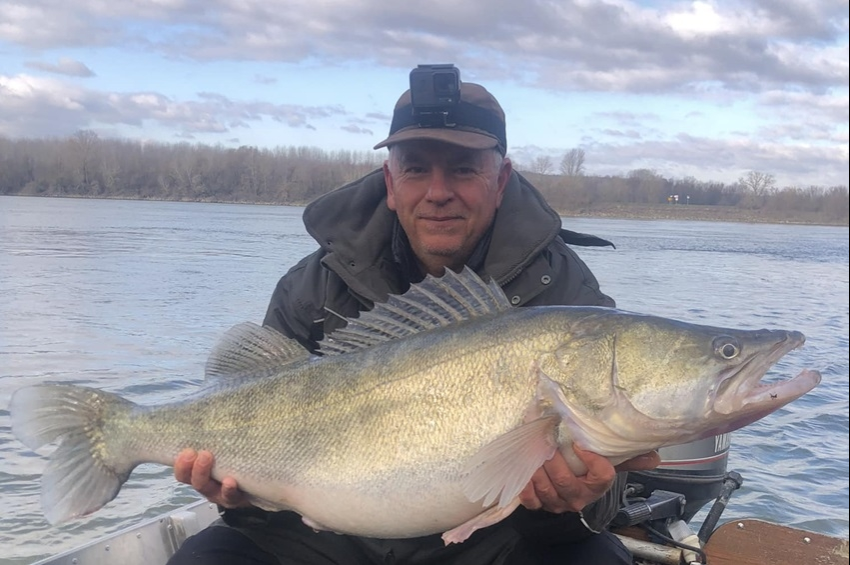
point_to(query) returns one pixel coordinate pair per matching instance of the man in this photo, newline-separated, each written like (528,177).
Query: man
(447,197)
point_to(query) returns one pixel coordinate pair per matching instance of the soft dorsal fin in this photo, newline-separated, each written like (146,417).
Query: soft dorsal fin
(248,349)
(435,302)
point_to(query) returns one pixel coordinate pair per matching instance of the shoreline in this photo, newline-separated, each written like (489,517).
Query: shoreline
(648,212)
(691,212)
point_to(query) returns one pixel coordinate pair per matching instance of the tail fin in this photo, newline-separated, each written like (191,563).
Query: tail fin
(82,474)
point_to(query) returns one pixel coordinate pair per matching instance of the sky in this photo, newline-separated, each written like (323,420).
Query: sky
(704,89)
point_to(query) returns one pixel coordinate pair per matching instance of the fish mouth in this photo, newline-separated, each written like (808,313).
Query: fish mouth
(741,389)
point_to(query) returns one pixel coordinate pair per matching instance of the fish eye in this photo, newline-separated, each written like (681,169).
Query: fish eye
(727,347)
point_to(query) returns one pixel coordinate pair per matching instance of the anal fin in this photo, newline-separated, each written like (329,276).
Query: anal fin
(491,516)
(316,527)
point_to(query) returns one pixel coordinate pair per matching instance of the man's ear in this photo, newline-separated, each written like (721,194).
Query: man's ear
(388,180)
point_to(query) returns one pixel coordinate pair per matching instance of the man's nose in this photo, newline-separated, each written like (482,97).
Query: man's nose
(439,189)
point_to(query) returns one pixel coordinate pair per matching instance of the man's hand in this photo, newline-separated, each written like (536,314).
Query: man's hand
(555,488)
(194,469)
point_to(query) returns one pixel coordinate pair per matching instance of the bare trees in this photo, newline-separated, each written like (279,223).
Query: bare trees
(647,186)
(572,164)
(85,165)
(756,186)
(542,165)
(757,181)
(83,145)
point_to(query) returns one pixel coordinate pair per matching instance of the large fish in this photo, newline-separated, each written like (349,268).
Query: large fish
(428,414)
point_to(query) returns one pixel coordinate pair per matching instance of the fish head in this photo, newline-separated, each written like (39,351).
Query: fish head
(656,381)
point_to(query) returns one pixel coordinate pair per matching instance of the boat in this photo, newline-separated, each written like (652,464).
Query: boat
(653,522)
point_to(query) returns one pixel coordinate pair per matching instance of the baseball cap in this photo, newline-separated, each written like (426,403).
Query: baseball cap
(477,122)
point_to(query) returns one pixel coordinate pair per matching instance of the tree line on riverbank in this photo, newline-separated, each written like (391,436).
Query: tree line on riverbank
(85,165)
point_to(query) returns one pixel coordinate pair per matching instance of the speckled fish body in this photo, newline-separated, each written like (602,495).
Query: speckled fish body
(427,414)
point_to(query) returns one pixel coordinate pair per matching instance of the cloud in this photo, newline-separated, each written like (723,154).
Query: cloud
(631,118)
(769,78)
(828,108)
(614,45)
(631,134)
(40,24)
(36,106)
(64,66)
(354,128)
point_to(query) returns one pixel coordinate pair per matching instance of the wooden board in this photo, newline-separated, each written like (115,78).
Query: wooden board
(754,542)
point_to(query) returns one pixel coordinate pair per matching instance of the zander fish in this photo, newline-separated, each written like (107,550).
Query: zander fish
(427,414)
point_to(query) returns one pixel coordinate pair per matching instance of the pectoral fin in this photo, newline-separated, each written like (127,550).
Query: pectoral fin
(502,468)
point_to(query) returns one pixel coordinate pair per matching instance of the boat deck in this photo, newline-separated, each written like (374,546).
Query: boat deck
(744,542)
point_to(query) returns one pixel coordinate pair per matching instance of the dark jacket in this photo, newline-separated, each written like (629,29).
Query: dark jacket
(355,267)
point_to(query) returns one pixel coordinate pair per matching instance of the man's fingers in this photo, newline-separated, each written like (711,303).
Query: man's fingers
(231,496)
(183,466)
(544,490)
(195,469)
(566,487)
(600,473)
(201,470)
(644,462)
(555,488)
(528,498)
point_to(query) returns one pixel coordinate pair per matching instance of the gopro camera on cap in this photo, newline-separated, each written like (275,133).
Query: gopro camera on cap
(434,93)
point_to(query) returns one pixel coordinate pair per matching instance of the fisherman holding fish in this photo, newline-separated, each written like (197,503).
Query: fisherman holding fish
(396,406)
(447,197)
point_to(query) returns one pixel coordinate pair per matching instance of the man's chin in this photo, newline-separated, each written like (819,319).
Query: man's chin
(444,250)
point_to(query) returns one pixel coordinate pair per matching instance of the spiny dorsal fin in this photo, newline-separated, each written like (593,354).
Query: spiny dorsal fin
(248,349)
(435,302)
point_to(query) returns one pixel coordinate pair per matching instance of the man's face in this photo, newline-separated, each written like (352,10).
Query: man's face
(445,197)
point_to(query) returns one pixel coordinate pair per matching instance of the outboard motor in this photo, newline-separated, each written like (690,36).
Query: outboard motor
(696,470)
(664,500)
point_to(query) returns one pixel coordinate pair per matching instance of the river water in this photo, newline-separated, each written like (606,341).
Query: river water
(130,296)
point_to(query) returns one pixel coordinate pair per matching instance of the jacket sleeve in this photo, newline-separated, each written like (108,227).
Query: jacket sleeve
(580,284)
(296,306)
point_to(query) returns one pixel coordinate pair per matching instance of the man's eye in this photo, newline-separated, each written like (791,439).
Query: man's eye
(465,170)
(414,170)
